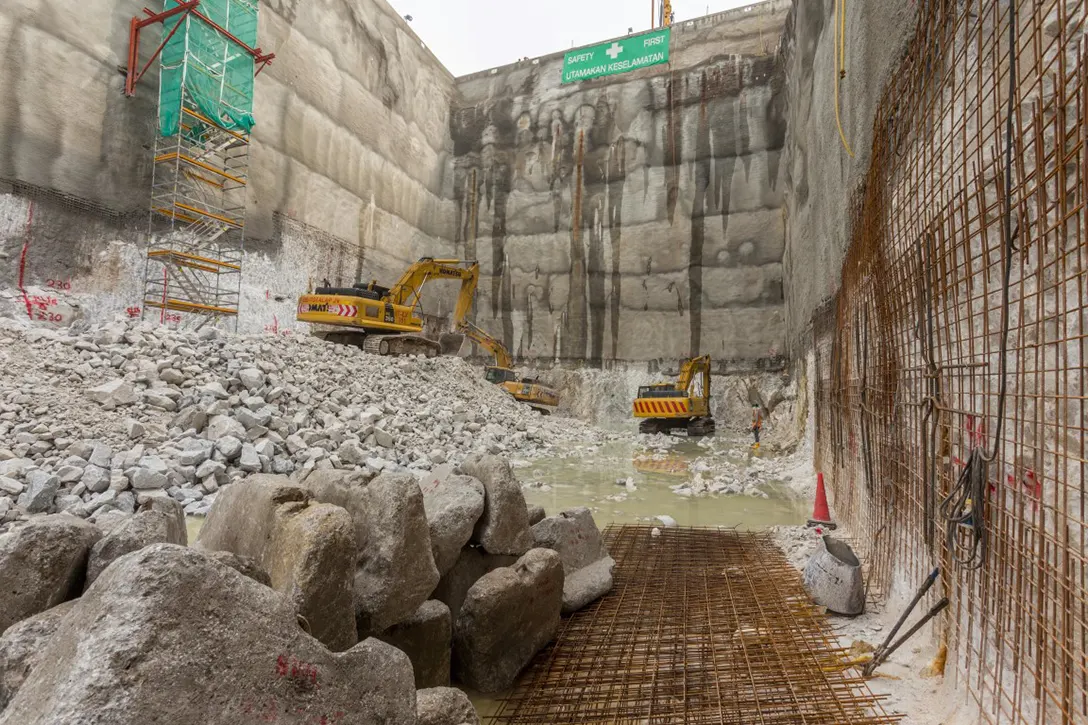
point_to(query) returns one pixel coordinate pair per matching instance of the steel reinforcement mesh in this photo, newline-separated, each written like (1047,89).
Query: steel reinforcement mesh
(951,387)
(701,626)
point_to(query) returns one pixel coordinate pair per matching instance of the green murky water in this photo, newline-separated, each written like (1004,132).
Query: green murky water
(589,476)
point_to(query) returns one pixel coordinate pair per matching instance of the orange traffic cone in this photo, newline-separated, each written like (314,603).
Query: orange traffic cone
(821,515)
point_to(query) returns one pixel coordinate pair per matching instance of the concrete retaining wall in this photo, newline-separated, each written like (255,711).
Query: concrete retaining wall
(635,217)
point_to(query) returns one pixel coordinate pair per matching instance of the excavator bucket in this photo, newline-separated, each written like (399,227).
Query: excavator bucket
(451,342)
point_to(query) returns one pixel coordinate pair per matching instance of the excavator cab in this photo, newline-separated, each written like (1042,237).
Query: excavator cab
(498,375)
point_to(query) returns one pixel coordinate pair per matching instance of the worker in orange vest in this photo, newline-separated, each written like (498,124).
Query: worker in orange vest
(757,423)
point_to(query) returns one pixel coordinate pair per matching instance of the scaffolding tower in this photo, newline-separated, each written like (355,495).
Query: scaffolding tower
(208,61)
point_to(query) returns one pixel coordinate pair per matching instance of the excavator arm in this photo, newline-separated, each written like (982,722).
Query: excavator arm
(407,290)
(503,359)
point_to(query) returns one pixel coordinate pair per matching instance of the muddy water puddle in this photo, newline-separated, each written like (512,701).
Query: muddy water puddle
(626,481)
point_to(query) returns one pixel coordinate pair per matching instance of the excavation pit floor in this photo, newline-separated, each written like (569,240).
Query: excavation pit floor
(701,626)
(635,480)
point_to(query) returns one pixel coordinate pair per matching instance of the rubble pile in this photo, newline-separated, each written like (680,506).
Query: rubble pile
(322,594)
(91,421)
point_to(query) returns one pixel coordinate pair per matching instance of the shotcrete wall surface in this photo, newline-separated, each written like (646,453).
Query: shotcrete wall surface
(635,217)
(818,172)
(346,163)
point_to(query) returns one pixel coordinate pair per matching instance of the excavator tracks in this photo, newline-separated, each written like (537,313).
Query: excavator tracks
(401,345)
(390,345)
(695,427)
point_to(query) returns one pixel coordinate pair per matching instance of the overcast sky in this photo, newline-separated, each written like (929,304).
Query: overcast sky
(472,35)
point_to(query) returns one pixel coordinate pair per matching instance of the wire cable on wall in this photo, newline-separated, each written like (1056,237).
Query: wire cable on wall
(840,66)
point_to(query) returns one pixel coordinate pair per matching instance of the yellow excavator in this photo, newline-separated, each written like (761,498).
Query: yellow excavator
(527,390)
(388,320)
(664,407)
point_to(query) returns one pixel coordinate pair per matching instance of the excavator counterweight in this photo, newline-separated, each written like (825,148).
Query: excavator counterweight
(664,407)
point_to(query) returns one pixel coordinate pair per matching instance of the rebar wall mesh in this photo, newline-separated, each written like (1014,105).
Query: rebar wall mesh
(910,378)
(701,626)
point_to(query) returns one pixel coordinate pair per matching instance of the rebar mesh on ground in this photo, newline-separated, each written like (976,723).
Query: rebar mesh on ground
(701,626)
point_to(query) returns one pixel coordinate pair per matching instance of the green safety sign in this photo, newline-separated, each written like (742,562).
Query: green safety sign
(626,54)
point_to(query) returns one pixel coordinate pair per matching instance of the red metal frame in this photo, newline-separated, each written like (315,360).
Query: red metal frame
(132,77)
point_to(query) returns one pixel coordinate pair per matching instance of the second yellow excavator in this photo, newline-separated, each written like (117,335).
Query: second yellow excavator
(527,390)
(387,320)
(683,404)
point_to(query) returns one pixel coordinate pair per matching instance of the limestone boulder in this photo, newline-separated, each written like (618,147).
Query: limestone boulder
(587,567)
(503,527)
(445,706)
(472,563)
(426,638)
(536,514)
(307,549)
(396,570)
(346,489)
(244,565)
(508,616)
(168,630)
(160,520)
(311,558)
(43,564)
(21,647)
(453,507)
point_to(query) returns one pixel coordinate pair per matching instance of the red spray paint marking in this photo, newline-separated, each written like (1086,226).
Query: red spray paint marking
(22,259)
(132,311)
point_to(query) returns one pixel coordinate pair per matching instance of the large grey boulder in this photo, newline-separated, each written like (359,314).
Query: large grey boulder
(425,637)
(396,568)
(160,520)
(21,647)
(312,560)
(41,489)
(508,616)
(42,564)
(167,632)
(472,563)
(454,505)
(504,526)
(307,548)
(244,565)
(346,489)
(587,567)
(445,706)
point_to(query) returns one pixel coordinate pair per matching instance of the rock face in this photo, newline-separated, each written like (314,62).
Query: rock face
(168,630)
(308,549)
(508,616)
(504,526)
(43,564)
(21,647)
(453,506)
(425,637)
(160,521)
(396,568)
(445,706)
(587,567)
(472,563)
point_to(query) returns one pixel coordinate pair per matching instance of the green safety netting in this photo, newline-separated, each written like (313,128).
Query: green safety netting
(207,69)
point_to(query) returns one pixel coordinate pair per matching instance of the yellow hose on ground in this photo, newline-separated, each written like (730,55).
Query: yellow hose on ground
(840,66)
